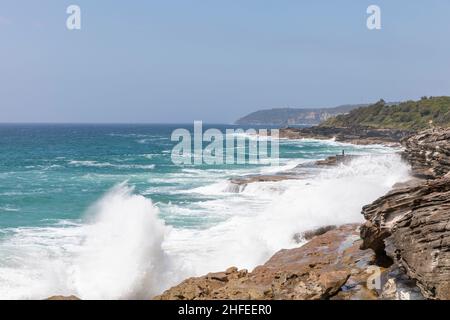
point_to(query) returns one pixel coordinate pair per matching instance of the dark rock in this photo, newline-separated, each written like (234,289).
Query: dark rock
(356,135)
(308,235)
(336,160)
(301,171)
(396,285)
(261,178)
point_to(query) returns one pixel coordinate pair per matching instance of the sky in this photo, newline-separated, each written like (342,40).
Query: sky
(173,61)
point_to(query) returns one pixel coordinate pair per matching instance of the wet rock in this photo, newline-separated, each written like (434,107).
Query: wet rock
(308,235)
(57,298)
(317,270)
(336,160)
(301,171)
(261,178)
(396,285)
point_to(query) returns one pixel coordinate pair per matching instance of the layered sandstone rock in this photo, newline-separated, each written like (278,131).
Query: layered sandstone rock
(411,224)
(429,153)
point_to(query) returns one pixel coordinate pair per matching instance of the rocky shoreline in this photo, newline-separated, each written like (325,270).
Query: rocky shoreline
(354,135)
(411,224)
(301,171)
(402,251)
(317,270)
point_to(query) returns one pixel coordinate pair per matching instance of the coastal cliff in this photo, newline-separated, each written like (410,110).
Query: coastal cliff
(403,248)
(411,224)
(429,153)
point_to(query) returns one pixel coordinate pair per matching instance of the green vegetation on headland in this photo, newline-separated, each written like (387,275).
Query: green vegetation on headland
(410,115)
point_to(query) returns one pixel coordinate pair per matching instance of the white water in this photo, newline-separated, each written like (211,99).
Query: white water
(250,236)
(123,250)
(116,254)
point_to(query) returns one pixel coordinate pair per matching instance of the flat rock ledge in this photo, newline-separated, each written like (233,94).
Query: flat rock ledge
(238,184)
(330,266)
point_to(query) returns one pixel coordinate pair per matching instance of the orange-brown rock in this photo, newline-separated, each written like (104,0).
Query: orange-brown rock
(56,298)
(331,265)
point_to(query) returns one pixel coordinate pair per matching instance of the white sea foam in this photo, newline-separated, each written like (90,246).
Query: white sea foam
(95,164)
(123,250)
(8,209)
(121,256)
(116,254)
(251,234)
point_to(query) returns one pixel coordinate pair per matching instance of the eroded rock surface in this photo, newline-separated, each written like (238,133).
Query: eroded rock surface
(411,224)
(429,153)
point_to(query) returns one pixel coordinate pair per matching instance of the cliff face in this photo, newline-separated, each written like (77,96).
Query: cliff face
(429,153)
(411,224)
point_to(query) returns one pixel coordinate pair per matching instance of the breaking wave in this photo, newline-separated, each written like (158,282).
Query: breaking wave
(122,249)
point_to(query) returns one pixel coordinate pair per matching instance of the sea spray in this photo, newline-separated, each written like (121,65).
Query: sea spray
(121,256)
(116,253)
(250,236)
(121,249)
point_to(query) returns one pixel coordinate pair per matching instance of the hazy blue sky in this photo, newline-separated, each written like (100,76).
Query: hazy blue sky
(176,61)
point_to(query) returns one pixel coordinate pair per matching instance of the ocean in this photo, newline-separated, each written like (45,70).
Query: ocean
(101,212)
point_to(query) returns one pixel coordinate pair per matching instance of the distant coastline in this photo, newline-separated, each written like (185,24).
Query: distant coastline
(297,116)
(294,116)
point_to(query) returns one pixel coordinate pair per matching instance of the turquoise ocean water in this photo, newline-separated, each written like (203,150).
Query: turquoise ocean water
(100,211)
